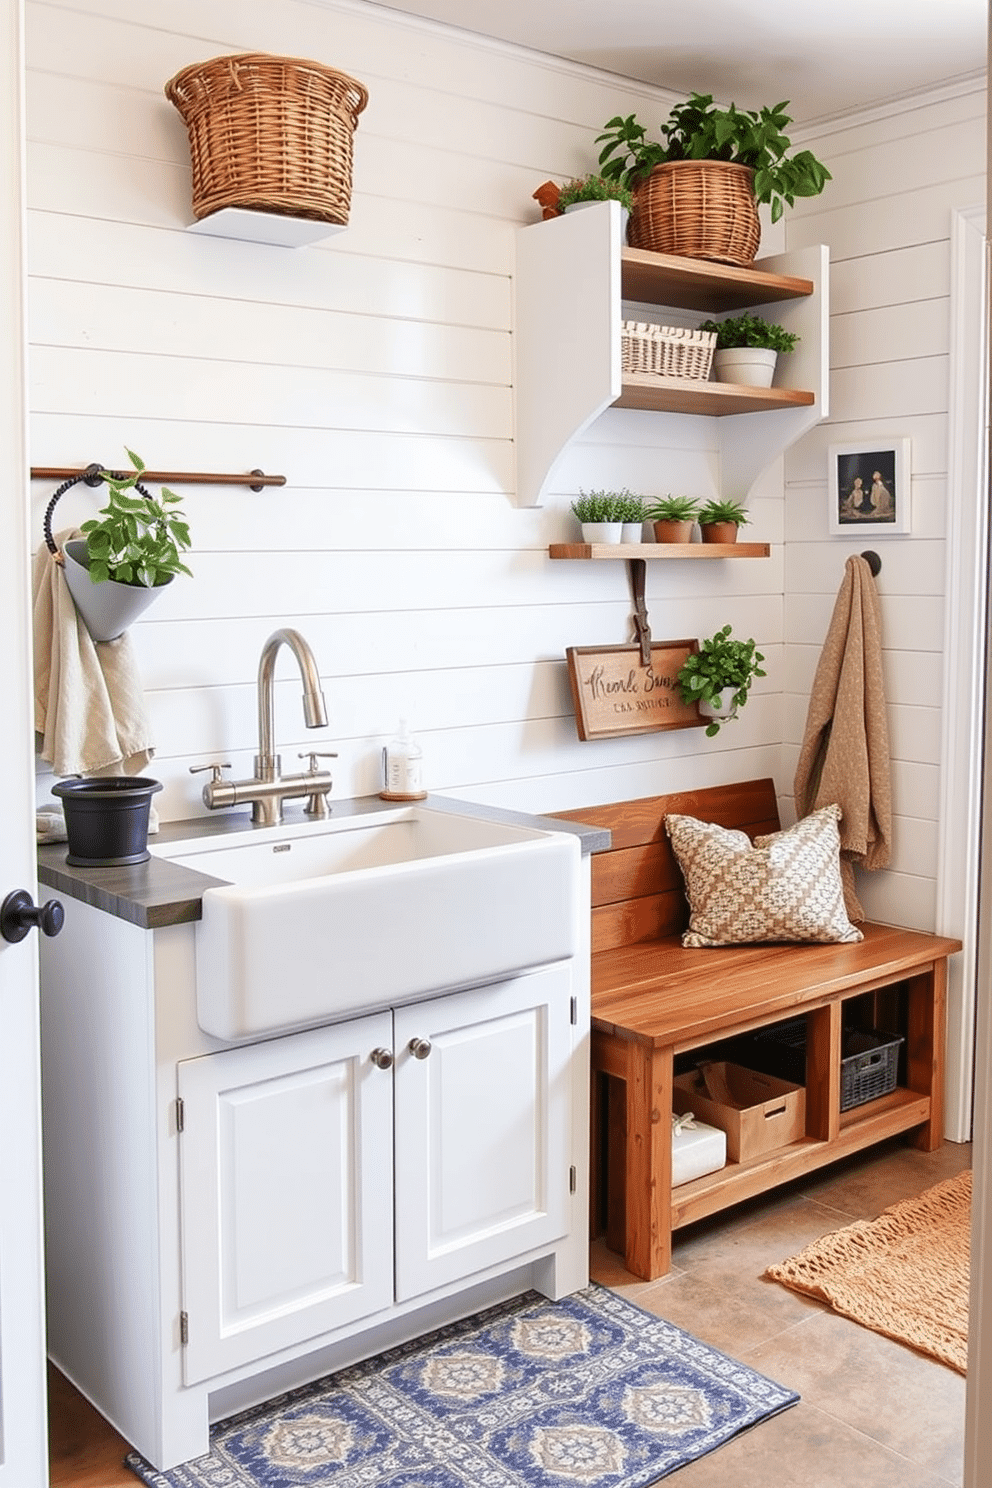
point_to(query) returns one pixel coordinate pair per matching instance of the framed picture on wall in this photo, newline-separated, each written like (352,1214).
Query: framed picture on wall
(868,487)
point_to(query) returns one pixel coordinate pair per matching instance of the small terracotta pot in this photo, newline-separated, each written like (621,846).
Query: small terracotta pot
(719,532)
(673,530)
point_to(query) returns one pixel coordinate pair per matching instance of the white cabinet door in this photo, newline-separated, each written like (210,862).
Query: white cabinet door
(482,1129)
(287,1193)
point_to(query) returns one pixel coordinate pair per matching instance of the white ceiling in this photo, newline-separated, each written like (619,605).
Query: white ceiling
(827,57)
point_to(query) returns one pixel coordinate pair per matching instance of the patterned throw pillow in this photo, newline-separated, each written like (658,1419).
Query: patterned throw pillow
(787,886)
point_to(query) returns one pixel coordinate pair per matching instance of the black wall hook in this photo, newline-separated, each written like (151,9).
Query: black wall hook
(873,561)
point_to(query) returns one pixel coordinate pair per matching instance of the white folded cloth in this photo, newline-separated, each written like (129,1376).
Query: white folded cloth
(89,706)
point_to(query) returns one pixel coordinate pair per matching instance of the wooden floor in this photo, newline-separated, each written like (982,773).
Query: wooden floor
(84,1452)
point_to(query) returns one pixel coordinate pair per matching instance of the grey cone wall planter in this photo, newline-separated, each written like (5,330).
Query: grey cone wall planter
(109,608)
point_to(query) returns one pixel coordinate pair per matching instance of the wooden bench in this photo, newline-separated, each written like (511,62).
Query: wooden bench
(654,1000)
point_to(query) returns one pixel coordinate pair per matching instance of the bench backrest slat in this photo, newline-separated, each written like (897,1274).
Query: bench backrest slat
(637,888)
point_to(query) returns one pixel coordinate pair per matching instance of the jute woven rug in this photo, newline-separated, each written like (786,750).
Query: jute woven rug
(904,1274)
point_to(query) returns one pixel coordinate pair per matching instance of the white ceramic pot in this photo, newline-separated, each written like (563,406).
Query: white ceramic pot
(633,532)
(602,532)
(624,215)
(108,608)
(748,366)
(721,707)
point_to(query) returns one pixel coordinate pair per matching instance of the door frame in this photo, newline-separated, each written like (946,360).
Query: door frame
(23,1437)
(966,608)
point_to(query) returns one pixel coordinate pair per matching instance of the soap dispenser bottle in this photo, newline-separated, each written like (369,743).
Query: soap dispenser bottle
(402,768)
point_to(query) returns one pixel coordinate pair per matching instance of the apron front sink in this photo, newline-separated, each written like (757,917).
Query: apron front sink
(309,923)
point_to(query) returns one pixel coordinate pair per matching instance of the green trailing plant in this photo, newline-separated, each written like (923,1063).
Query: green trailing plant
(698,130)
(673,509)
(750,330)
(723,511)
(594,188)
(720,664)
(140,539)
(603,506)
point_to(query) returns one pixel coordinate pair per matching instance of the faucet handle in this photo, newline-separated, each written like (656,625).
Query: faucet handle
(317,801)
(313,755)
(216,777)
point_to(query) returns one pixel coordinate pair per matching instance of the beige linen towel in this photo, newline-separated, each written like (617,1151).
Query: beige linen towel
(845,751)
(89,707)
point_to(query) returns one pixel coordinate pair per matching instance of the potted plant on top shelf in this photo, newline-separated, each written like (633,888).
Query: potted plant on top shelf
(719,521)
(674,518)
(580,191)
(748,348)
(697,188)
(127,556)
(718,676)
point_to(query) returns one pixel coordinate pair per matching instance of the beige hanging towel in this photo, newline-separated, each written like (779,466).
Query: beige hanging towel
(845,751)
(89,707)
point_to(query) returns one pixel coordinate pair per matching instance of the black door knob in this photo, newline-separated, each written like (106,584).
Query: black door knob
(19,914)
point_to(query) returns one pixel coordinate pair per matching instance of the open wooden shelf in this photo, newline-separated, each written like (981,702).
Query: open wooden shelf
(861,1127)
(626,551)
(575,283)
(689,395)
(691,284)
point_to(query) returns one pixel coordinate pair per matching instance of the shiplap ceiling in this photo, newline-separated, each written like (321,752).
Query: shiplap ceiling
(828,57)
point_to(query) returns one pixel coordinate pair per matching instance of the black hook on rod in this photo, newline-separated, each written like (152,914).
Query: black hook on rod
(873,561)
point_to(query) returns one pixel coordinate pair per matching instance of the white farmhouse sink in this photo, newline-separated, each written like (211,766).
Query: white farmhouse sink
(324,919)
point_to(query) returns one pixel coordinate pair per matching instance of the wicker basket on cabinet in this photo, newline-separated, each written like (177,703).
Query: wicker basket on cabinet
(273,134)
(697,209)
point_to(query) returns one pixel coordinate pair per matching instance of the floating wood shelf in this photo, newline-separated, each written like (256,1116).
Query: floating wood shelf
(690,284)
(685,395)
(627,551)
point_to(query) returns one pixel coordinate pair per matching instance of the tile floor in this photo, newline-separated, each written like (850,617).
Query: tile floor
(873,1413)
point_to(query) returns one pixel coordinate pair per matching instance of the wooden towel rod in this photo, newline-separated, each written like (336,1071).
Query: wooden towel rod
(256,479)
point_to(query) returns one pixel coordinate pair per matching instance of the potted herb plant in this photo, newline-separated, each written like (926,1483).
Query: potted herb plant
(601,515)
(580,191)
(719,521)
(748,348)
(127,556)
(632,515)
(698,186)
(674,518)
(718,676)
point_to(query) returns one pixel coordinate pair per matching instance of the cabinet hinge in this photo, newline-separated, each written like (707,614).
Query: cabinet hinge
(573,1179)
(180,1114)
(184,1328)
(575,1010)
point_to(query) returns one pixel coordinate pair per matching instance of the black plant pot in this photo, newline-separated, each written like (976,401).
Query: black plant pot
(106,818)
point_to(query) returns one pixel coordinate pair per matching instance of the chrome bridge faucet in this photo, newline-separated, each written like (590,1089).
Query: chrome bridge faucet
(268,788)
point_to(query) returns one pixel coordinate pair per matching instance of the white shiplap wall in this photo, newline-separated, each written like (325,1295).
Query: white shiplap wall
(899,175)
(374,372)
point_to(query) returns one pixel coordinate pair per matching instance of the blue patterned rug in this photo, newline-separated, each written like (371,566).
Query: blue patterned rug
(589,1391)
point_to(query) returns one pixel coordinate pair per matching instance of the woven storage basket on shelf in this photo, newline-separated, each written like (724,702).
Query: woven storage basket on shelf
(665,351)
(697,209)
(274,134)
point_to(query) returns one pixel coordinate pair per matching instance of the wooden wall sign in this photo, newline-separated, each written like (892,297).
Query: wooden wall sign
(614,693)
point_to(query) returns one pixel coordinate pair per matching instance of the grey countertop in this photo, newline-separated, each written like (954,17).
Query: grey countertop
(158,892)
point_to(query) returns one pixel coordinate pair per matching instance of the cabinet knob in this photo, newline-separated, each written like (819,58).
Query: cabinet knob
(420,1047)
(382,1058)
